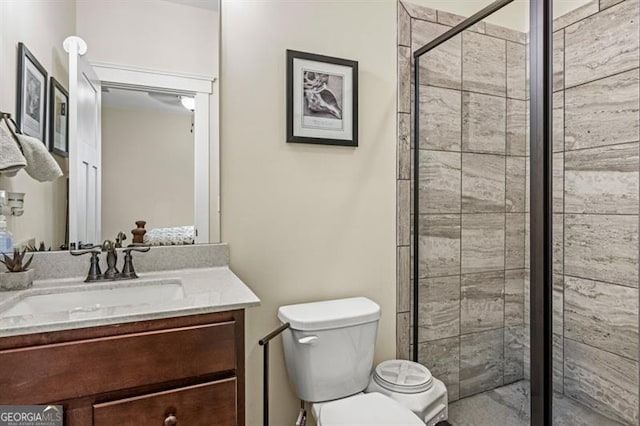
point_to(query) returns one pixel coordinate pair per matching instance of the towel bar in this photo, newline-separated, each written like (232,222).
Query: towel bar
(265,370)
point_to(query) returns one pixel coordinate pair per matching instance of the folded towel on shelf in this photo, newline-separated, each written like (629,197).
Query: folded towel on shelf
(11,159)
(40,163)
(179,235)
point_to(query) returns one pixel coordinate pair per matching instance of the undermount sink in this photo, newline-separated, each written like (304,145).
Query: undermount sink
(89,301)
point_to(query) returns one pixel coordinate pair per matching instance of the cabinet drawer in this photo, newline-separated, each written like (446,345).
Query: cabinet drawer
(209,404)
(41,374)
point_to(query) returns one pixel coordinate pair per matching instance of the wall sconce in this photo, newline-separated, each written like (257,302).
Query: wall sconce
(15,201)
(188,102)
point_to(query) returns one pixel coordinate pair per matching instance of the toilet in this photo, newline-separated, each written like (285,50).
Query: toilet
(329,348)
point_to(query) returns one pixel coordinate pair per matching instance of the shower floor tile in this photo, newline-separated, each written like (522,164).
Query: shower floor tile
(510,405)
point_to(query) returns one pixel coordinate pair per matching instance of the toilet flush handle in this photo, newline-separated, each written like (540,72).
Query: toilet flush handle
(308,340)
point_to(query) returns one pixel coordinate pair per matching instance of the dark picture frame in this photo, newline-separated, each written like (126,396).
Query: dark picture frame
(58,118)
(31,98)
(322,99)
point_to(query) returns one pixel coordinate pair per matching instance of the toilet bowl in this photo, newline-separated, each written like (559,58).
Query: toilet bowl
(364,409)
(329,348)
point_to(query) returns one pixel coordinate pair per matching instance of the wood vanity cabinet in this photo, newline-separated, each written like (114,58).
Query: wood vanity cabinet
(183,371)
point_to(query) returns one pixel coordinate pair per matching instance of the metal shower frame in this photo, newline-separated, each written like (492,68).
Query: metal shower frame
(541,113)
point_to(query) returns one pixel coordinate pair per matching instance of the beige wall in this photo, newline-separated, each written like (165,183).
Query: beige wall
(151,34)
(42,25)
(306,222)
(160,36)
(147,170)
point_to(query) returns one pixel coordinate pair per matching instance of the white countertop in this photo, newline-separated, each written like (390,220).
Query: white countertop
(204,290)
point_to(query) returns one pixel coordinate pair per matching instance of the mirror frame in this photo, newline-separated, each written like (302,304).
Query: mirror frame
(206,139)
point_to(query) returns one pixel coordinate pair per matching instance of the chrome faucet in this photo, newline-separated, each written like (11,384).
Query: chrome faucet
(112,273)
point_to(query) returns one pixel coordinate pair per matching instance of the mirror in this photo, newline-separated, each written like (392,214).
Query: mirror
(142,129)
(153,175)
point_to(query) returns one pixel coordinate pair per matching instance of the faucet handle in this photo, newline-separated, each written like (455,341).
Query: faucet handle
(136,247)
(94,269)
(127,269)
(92,249)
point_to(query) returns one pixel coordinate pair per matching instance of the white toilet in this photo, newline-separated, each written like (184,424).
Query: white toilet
(329,349)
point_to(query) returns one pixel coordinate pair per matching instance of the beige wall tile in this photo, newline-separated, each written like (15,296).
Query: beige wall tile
(481,361)
(483,183)
(602,247)
(602,315)
(440,177)
(603,112)
(440,118)
(483,123)
(603,44)
(603,180)
(482,302)
(439,312)
(439,245)
(484,64)
(482,242)
(602,380)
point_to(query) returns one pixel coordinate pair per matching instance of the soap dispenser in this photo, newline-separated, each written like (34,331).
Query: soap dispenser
(6,238)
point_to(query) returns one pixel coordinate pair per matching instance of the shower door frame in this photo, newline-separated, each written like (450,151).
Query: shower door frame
(541,114)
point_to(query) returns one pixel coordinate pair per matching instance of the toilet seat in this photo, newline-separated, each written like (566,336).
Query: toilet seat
(367,409)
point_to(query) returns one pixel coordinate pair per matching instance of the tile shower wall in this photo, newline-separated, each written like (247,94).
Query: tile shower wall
(472,200)
(595,200)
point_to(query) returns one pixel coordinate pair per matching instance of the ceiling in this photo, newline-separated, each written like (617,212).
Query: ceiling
(145,101)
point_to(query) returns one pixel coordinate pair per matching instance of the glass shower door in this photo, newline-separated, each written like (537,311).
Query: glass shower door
(471,212)
(595,211)
(472,207)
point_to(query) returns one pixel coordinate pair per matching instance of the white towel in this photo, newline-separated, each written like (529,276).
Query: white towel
(40,164)
(178,235)
(11,159)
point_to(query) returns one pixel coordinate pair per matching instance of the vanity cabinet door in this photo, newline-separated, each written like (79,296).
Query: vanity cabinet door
(208,404)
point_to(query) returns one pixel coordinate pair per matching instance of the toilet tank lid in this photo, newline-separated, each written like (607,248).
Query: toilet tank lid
(330,314)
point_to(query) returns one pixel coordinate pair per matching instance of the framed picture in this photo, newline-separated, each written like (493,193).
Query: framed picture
(32,94)
(322,99)
(58,118)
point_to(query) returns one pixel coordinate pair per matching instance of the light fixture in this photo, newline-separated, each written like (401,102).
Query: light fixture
(188,102)
(11,203)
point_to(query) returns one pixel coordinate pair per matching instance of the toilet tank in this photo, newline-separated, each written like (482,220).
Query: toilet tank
(329,346)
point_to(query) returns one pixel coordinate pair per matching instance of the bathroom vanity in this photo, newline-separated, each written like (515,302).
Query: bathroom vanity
(139,141)
(167,350)
(186,370)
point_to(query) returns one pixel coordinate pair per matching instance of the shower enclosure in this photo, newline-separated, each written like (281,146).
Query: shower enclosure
(518,208)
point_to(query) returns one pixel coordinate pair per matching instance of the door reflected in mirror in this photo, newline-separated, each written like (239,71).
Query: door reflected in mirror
(148,165)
